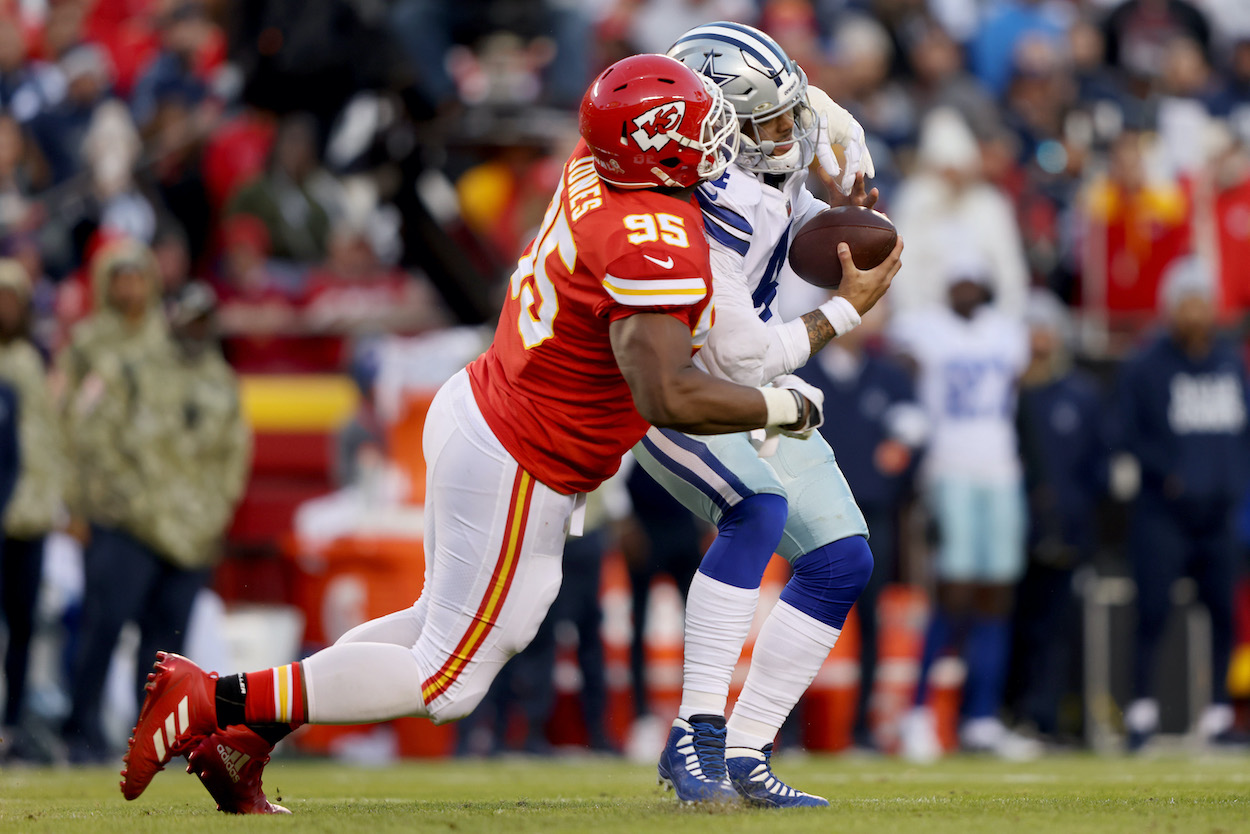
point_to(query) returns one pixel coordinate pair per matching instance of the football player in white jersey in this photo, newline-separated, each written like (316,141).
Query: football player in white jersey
(781,493)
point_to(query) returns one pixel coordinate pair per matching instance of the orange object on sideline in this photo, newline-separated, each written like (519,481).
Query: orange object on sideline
(345,582)
(405,440)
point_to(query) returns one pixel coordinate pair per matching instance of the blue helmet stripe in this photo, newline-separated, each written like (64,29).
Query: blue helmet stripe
(755,35)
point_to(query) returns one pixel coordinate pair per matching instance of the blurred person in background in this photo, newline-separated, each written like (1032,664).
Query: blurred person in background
(176,177)
(1139,33)
(1189,92)
(173,259)
(498,197)
(126,320)
(1182,413)
(1226,178)
(969,356)
(235,153)
(877,429)
(1234,103)
(941,79)
(1096,83)
(291,197)
(1039,96)
(37,505)
(555,34)
(61,129)
(116,413)
(20,177)
(117,205)
(862,54)
(27,87)
(1006,25)
(1038,159)
(945,197)
(179,70)
(353,292)
(1135,219)
(257,312)
(1064,450)
(63,28)
(45,331)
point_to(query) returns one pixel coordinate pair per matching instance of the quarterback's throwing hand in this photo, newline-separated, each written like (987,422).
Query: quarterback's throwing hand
(838,127)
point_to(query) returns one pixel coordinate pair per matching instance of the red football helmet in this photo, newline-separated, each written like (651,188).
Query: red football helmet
(651,121)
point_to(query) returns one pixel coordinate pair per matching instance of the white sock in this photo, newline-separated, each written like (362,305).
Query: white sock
(788,653)
(360,683)
(718,618)
(1142,715)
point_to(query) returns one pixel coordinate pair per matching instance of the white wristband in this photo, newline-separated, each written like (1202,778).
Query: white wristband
(783,407)
(841,314)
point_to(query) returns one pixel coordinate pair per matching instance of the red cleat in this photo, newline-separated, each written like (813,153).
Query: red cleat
(179,711)
(229,763)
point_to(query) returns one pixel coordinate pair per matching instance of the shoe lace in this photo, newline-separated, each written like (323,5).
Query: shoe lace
(709,746)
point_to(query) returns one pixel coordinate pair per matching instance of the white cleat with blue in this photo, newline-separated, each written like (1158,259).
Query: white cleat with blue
(692,763)
(752,776)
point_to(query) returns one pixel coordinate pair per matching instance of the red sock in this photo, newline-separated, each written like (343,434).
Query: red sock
(275,696)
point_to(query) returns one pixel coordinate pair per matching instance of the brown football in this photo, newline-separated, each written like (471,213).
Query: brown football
(814,250)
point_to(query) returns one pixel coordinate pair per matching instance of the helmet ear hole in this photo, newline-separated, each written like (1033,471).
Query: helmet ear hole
(670,162)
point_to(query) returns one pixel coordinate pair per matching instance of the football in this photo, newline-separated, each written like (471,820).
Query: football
(814,250)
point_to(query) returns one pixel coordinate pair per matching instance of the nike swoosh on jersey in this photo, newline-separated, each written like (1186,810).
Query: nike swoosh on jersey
(667,263)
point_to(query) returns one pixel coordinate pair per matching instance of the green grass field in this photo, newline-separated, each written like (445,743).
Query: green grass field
(1065,794)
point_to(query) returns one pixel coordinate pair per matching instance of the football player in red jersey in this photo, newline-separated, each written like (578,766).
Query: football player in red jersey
(607,306)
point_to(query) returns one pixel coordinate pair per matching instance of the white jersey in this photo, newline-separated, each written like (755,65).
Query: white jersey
(749,225)
(968,374)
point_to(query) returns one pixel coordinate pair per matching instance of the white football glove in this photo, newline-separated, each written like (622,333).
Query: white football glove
(813,416)
(836,126)
(766,440)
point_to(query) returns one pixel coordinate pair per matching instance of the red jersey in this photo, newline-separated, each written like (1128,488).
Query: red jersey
(549,386)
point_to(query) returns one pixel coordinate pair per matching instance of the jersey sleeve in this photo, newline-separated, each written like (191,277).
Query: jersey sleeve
(654,278)
(726,222)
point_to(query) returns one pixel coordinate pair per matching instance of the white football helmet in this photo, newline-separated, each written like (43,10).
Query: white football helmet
(761,82)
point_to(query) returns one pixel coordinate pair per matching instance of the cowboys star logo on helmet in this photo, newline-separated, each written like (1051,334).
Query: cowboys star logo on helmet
(709,69)
(654,125)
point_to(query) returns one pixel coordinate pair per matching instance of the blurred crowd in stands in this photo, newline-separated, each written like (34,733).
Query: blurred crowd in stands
(328,171)
(313,160)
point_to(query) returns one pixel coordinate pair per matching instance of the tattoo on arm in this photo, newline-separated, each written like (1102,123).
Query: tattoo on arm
(819,330)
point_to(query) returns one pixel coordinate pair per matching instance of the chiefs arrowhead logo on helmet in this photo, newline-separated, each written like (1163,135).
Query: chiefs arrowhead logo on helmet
(655,125)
